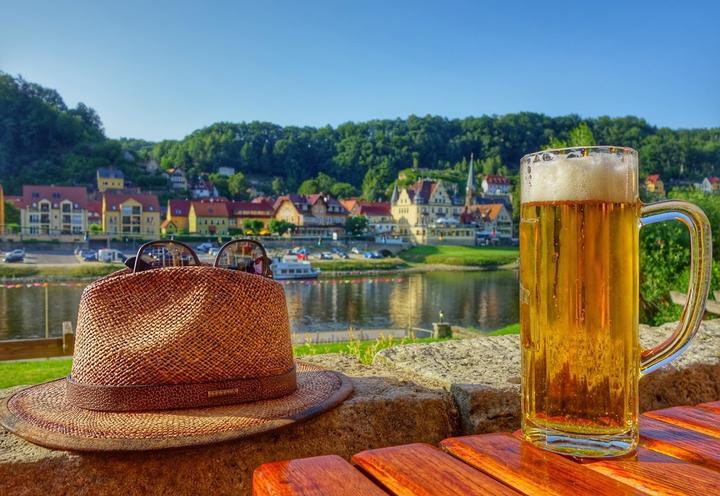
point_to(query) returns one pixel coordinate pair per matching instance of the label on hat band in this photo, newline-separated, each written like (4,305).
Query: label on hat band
(175,396)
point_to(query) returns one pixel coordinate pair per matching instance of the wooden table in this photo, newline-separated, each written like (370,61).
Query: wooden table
(679,455)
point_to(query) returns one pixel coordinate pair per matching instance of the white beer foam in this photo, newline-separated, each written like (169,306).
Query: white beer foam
(600,177)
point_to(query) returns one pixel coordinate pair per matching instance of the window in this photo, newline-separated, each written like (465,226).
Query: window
(66,207)
(44,207)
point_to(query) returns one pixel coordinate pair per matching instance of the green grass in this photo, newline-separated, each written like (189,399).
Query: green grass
(89,269)
(14,373)
(349,265)
(460,255)
(509,329)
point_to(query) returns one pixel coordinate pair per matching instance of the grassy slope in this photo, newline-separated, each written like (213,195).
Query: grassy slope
(460,255)
(89,269)
(36,371)
(509,329)
(354,264)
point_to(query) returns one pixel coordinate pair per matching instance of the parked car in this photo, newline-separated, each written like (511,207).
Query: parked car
(213,251)
(372,254)
(204,247)
(326,255)
(386,253)
(355,250)
(88,255)
(15,256)
(108,255)
(342,254)
(18,252)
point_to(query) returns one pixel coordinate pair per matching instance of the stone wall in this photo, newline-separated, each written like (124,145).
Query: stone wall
(414,393)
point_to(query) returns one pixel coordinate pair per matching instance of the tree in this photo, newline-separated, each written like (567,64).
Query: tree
(280,226)
(253,226)
(356,225)
(309,187)
(236,185)
(278,186)
(95,229)
(343,190)
(580,136)
(12,213)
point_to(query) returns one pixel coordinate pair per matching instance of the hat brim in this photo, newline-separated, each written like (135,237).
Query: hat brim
(42,415)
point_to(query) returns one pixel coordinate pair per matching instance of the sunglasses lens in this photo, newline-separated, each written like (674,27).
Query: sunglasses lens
(158,255)
(245,257)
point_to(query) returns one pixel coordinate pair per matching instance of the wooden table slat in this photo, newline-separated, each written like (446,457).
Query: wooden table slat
(696,419)
(422,470)
(318,476)
(713,407)
(656,473)
(681,443)
(529,469)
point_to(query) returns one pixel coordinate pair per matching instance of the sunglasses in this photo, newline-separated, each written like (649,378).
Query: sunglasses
(244,255)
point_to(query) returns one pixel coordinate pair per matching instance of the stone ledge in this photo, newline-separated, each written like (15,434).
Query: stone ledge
(382,411)
(414,393)
(483,374)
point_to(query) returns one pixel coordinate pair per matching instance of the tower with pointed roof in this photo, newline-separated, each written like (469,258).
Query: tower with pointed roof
(395,194)
(471,188)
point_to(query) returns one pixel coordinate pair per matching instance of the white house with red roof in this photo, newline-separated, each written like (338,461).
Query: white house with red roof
(496,185)
(711,184)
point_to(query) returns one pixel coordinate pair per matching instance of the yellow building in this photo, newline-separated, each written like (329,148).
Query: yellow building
(108,178)
(242,211)
(176,218)
(53,210)
(135,214)
(209,218)
(315,215)
(653,184)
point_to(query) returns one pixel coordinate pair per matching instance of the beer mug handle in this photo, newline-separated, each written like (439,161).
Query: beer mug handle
(700,269)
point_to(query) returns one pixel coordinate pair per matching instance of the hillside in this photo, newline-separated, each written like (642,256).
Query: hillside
(43,141)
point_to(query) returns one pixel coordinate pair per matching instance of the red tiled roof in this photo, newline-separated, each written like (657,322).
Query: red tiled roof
(487,212)
(149,202)
(497,180)
(713,180)
(55,194)
(210,209)
(94,208)
(178,207)
(422,189)
(297,200)
(653,178)
(15,200)
(250,208)
(378,209)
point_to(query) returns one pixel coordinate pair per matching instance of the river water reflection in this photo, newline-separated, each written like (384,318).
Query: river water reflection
(484,300)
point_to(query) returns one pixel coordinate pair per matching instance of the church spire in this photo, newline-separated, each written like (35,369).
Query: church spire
(471,187)
(395,195)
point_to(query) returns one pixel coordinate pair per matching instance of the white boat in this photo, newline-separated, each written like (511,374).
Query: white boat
(289,267)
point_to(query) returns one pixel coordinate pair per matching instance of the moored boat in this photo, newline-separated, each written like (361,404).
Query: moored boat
(289,267)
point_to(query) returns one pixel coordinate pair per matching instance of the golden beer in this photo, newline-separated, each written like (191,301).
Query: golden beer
(579,291)
(579,316)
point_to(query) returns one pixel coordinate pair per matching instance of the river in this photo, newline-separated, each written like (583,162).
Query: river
(482,300)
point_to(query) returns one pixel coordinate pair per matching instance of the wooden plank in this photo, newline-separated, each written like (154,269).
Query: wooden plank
(18,349)
(656,473)
(696,419)
(713,407)
(680,443)
(531,470)
(317,476)
(422,470)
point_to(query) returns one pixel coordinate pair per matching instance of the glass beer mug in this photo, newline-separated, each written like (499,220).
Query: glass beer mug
(579,241)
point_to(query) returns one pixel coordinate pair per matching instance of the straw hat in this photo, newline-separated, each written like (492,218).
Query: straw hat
(174,357)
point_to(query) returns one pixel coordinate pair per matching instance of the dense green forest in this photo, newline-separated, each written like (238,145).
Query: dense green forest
(44,141)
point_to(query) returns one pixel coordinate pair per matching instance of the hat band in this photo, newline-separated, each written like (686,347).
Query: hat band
(174,396)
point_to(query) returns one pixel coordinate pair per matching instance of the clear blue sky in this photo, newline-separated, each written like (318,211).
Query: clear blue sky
(161,69)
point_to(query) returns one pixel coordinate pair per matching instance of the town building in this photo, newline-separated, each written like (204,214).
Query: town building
(53,210)
(379,214)
(425,213)
(653,184)
(209,218)
(711,185)
(226,171)
(241,211)
(202,188)
(493,222)
(178,179)
(110,178)
(151,166)
(176,217)
(131,214)
(315,215)
(495,185)
(94,208)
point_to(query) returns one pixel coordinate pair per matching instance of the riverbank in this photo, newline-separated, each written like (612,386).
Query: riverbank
(43,272)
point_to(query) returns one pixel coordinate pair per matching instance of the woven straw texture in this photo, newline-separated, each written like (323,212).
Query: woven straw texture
(181,325)
(42,415)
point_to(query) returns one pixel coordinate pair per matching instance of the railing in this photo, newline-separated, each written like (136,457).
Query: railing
(20,349)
